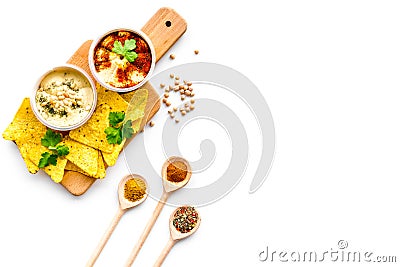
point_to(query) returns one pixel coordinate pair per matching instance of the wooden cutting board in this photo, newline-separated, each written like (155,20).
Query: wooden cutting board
(164,29)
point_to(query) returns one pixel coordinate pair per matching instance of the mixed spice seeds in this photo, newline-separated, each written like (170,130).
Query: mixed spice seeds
(185,219)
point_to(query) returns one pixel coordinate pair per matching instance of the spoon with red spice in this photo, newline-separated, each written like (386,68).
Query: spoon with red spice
(175,173)
(184,221)
(132,191)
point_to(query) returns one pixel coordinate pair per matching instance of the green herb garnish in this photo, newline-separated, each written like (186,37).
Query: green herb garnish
(118,129)
(126,50)
(51,140)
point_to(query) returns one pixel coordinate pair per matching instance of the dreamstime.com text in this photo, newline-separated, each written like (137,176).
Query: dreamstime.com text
(339,254)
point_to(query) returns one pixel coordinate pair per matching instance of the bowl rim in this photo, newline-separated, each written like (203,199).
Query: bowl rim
(37,85)
(126,89)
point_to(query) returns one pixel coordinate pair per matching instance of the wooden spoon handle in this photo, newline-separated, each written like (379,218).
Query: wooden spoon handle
(147,229)
(164,253)
(105,237)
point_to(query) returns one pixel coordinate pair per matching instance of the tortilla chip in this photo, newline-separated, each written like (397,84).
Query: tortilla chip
(23,149)
(101,170)
(25,125)
(111,98)
(55,172)
(83,156)
(92,132)
(111,158)
(72,167)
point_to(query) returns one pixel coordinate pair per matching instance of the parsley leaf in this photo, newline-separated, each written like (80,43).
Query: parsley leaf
(115,118)
(117,130)
(118,48)
(47,159)
(130,44)
(131,56)
(51,139)
(114,135)
(126,50)
(62,150)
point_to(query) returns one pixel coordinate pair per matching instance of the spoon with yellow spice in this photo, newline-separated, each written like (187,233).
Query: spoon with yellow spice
(175,173)
(132,191)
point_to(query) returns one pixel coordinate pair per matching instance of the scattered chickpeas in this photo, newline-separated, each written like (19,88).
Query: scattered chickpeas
(192,101)
(189,83)
(168,103)
(172,115)
(151,123)
(192,94)
(182,97)
(196,52)
(191,107)
(177,78)
(183,112)
(182,91)
(176,88)
(172,56)
(166,95)
(187,93)
(176,83)
(181,86)
(175,109)
(162,85)
(186,105)
(187,109)
(176,120)
(164,100)
(171,75)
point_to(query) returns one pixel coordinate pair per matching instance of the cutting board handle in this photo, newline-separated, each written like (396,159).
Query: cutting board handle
(164,29)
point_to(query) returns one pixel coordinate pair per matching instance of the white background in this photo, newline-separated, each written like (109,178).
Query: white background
(329,71)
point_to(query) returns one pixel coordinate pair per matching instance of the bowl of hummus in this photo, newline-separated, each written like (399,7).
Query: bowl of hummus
(64,98)
(122,60)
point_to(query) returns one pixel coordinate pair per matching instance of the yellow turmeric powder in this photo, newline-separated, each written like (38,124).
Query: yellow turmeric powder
(134,189)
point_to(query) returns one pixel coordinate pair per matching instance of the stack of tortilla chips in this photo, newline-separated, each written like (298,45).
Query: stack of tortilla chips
(89,151)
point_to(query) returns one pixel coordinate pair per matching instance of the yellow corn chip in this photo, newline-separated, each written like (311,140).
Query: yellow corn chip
(92,132)
(23,149)
(25,125)
(83,156)
(111,98)
(111,158)
(56,172)
(101,170)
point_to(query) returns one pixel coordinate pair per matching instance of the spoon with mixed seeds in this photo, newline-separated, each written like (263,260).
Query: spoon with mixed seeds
(184,221)
(175,173)
(132,191)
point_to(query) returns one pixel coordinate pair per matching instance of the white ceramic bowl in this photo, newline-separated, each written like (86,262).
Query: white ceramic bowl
(64,68)
(100,80)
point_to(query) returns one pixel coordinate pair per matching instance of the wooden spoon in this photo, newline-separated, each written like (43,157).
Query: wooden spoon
(175,236)
(168,187)
(124,205)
